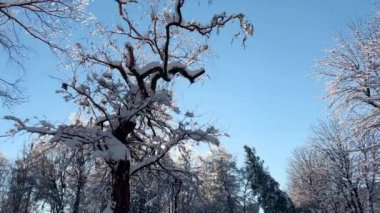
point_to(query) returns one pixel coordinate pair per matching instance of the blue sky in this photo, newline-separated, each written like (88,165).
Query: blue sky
(263,96)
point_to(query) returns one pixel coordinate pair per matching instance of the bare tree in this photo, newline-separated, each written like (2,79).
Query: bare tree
(368,158)
(337,172)
(220,185)
(309,182)
(20,189)
(128,101)
(10,92)
(352,70)
(4,178)
(60,177)
(43,20)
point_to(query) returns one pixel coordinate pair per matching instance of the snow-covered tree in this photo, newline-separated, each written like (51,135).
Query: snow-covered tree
(44,20)
(52,177)
(247,197)
(126,93)
(4,178)
(334,141)
(308,182)
(352,70)
(67,180)
(220,182)
(59,176)
(337,172)
(20,187)
(369,169)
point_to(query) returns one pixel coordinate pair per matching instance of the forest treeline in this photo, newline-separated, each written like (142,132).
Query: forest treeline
(338,169)
(52,178)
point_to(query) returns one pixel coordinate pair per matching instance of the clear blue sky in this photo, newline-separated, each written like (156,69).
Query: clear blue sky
(263,96)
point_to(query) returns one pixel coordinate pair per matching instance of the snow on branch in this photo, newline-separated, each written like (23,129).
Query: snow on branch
(170,40)
(208,136)
(45,128)
(101,143)
(41,19)
(352,73)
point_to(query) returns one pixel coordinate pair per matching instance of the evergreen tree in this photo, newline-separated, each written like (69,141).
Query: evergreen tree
(270,198)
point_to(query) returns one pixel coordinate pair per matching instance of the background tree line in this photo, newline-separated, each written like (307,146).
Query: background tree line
(53,178)
(338,170)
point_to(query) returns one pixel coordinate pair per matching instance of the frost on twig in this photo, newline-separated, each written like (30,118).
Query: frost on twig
(352,71)
(46,21)
(168,49)
(10,93)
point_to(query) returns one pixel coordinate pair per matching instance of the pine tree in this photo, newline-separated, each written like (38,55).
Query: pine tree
(270,198)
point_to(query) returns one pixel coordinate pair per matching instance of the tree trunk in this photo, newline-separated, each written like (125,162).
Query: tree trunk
(121,187)
(120,176)
(79,188)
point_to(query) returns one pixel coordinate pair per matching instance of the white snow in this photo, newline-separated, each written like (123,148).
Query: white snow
(148,67)
(116,150)
(108,209)
(177,64)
